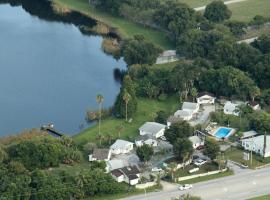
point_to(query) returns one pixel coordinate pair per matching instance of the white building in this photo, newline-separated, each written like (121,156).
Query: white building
(100,155)
(196,141)
(205,98)
(130,175)
(231,108)
(249,134)
(115,164)
(153,128)
(254,105)
(167,57)
(146,139)
(121,147)
(256,145)
(185,115)
(191,107)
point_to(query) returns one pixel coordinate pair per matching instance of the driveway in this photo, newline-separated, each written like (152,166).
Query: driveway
(203,115)
(226,2)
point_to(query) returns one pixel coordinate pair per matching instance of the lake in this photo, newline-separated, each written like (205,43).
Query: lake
(50,72)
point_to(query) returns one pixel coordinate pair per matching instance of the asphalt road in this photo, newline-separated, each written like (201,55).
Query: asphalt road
(237,187)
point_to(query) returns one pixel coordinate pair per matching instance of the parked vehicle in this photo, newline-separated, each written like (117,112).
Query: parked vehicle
(200,147)
(199,162)
(156,169)
(193,170)
(163,138)
(185,187)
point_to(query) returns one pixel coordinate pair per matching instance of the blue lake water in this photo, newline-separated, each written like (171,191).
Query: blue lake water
(50,73)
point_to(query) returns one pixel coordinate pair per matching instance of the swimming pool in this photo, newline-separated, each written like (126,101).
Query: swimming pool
(223,132)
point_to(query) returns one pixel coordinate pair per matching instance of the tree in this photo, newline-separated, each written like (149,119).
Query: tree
(3,154)
(262,43)
(236,27)
(145,152)
(126,98)
(99,100)
(183,149)
(178,130)
(140,51)
(194,93)
(161,117)
(217,11)
(211,149)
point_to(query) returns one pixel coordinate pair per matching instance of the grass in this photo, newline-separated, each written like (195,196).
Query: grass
(245,11)
(196,3)
(266,197)
(207,178)
(236,155)
(125,28)
(146,112)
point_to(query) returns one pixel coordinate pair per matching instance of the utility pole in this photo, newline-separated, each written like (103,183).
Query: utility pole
(252,143)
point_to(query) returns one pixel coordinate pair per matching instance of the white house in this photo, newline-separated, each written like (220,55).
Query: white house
(249,134)
(146,139)
(167,57)
(121,147)
(191,107)
(205,98)
(130,175)
(256,145)
(153,128)
(115,164)
(231,108)
(183,114)
(196,141)
(254,105)
(100,155)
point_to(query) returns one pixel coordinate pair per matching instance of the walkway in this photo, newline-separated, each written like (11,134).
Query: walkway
(226,2)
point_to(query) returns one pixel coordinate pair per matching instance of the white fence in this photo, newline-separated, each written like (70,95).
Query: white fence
(145,185)
(200,175)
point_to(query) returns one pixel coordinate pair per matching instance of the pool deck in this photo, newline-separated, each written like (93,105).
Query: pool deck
(215,130)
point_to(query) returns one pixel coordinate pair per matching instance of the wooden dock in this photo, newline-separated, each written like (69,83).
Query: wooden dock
(52,131)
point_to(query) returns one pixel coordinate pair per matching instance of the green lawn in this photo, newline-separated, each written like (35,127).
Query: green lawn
(266,197)
(125,27)
(207,178)
(146,112)
(245,11)
(236,155)
(196,3)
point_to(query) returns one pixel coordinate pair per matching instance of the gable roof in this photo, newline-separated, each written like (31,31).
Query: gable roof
(189,106)
(145,137)
(253,103)
(120,144)
(182,113)
(249,134)
(130,170)
(195,139)
(101,154)
(259,142)
(152,127)
(230,107)
(205,93)
(117,173)
(115,164)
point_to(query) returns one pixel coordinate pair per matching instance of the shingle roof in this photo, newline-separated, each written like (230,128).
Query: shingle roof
(249,134)
(182,113)
(115,164)
(101,154)
(130,170)
(145,137)
(116,173)
(189,106)
(205,93)
(119,144)
(152,127)
(253,103)
(174,119)
(195,139)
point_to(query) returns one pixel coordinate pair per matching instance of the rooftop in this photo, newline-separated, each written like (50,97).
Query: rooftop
(152,127)
(120,144)
(182,113)
(205,93)
(189,106)
(101,154)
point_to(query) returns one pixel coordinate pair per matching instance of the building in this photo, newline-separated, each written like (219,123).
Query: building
(146,139)
(167,57)
(130,175)
(115,164)
(254,105)
(196,141)
(185,115)
(205,98)
(153,128)
(256,145)
(191,107)
(231,108)
(249,134)
(121,147)
(100,155)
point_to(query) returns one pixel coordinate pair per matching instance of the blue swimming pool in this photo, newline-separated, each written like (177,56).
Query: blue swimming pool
(223,132)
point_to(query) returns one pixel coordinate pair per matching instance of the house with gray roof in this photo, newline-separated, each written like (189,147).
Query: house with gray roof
(100,155)
(146,139)
(256,144)
(191,107)
(153,128)
(129,174)
(121,147)
(231,108)
(249,134)
(167,57)
(196,141)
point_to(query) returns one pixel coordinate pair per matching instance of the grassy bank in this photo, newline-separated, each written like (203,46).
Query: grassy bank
(125,27)
(266,197)
(146,112)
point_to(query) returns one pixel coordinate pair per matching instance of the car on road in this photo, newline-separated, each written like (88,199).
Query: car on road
(185,187)
(156,169)
(199,162)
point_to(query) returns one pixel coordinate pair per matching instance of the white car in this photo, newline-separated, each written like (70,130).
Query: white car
(163,138)
(156,169)
(185,187)
(199,162)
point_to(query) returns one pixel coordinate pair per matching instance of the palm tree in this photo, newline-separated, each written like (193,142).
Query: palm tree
(119,129)
(99,138)
(109,138)
(99,100)
(193,93)
(126,98)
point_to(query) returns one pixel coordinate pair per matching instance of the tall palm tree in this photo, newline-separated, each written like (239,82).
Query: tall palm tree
(193,93)
(99,100)
(126,98)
